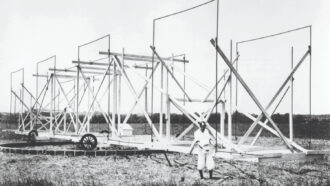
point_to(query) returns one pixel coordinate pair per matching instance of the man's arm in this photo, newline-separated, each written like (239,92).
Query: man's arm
(212,141)
(192,146)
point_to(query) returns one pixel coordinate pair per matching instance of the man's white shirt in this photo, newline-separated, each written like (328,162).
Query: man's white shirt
(202,137)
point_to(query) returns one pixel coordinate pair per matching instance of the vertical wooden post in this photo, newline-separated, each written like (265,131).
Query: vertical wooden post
(22,90)
(152,65)
(37,86)
(161,101)
(291,102)
(74,92)
(236,93)
(114,96)
(146,98)
(146,91)
(51,104)
(58,100)
(222,122)
(77,100)
(54,93)
(109,88)
(19,114)
(184,80)
(230,96)
(64,121)
(93,89)
(168,106)
(88,104)
(15,105)
(37,94)
(11,94)
(22,97)
(119,87)
(216,71)
(224,81)
(31,118)
(310,86)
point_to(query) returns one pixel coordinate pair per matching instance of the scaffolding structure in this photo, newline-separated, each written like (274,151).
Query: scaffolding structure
(71,107)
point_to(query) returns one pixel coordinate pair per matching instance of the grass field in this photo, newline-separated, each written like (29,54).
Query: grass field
(18,169)
(153,170)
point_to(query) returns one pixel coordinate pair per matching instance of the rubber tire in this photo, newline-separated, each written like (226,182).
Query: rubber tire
(88,142)
(32,136)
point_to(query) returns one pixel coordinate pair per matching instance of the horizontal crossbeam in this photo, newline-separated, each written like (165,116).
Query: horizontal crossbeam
(107,64)
(142,57)
(195,100)
(86,72)
(57,75)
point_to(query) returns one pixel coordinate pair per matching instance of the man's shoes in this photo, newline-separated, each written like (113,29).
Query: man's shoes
(201,174)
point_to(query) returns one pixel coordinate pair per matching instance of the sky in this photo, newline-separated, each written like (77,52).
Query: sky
(36,29)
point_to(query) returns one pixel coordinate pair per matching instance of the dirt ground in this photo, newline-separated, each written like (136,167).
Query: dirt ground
(154,169)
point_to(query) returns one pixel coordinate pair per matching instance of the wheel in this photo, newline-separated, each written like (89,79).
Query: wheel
(32,136)
(88,142)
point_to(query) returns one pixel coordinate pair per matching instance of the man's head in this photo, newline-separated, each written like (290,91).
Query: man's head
(202,125)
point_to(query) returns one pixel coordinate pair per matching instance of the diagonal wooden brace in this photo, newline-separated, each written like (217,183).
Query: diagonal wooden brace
(249,131)
(254,98)
(131,87)
(170,72)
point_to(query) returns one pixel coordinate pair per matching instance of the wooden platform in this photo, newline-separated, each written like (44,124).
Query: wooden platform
(142,142)
(251,153)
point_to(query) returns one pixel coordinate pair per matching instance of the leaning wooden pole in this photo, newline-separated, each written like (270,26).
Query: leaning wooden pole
(240,79)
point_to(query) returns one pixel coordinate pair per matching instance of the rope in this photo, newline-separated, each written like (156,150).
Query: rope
(273,35)
(108,35)
(183,11)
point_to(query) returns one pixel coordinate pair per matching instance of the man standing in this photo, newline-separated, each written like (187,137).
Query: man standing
(205,151)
